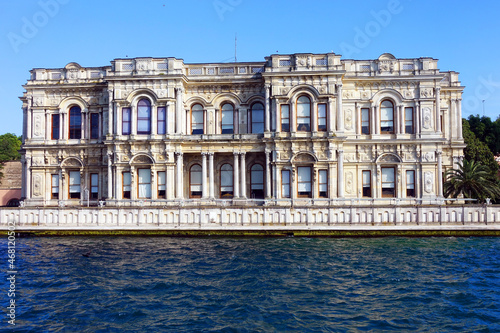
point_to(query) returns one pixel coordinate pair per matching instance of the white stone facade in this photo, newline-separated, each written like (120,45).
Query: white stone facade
(294,130)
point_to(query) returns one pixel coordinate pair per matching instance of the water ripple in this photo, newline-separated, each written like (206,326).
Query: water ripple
(257,285)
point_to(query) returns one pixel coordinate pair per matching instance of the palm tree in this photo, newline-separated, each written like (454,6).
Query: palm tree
(473,180)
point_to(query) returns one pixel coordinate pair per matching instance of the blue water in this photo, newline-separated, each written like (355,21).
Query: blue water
(155,284)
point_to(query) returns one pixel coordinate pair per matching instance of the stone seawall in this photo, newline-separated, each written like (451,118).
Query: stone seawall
(452,217)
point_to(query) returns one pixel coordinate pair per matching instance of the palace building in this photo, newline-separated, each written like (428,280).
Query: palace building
(298,129)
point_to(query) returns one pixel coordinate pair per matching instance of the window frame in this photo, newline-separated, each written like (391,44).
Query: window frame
(161,124)
(144,120)
(54,189)
(310,182)
(222,124)
(161,186)
(322,129)
(366,187)
(367,121)
(412,126)
(287,123)
(308,124)
(55,129)
(410,192)
(124,185)
(227,196)
(252,122)
(252,183)
(128,122)
(94,126)
(394,194)
(191,195)
(202,111)
(287,183)
(325,172)
(75,129)
(78,194)
(391,127)
(94,186)
(139,183)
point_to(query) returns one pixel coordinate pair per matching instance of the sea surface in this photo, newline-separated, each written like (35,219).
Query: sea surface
(162,284)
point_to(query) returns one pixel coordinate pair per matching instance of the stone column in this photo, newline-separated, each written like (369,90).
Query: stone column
(61,188)
(267,113)
(331,115)
(61,125)
(133,183)
(277,116)
(179,128)
(110,112)
(118,117)
(401,120)
(211,178)
(110,175)
(268,175)
(440,173)
(179,194)
(417,118)
(154,119)
(314,117)
(293,117)
(243,168)
(340,111)
(358,117)
(340,176)
(459,115)
(29,114)
(28,177)
(373,126)
(236,176)
(438,109)
(204,175)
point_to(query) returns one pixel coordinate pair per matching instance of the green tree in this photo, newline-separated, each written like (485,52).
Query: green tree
(10,145)
(477,150)
(486,131)
(472,180)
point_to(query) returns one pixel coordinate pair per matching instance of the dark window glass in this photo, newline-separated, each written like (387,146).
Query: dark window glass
(55,127)
(94,126)
(75,123)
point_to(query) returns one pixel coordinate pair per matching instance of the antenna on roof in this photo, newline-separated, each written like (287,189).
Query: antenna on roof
(235,43)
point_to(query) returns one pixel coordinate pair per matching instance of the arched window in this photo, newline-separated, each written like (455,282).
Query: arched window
(257,118)
(227,126)
(144,117)
(75,122)
(197,119)
(195,177)
(257,181)
(304,114)
(387,117)
(226,181)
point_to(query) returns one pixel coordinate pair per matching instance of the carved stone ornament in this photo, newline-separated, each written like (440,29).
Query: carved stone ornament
(303,158)
(37,185)
(427,118)
(348,119)
(349,182)
(38,125)
(389,158)
(428,180)
(142,159)
(72,162)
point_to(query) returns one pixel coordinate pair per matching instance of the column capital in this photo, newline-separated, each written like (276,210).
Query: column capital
(204,153)
(179,153)
(439,153)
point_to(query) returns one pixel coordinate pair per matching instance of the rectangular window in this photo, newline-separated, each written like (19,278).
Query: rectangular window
(303,117)
(365,121)
(409,120)
(94,186)
(367,184)
(386,120)
(323,183)
(322,117)
(126,183)
(55,127)
(410,184)
(74,185)
(162,121)
(144,183)
(94,126)
(285,183)
(227,122)
(388,184)
(285,118)
(162,182)
(197,122)
(304,182)
(55,187)
(126,121)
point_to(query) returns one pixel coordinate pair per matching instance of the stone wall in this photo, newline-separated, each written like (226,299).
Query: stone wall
(261,218)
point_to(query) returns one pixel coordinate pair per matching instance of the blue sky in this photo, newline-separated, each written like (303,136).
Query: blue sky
(464,36)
